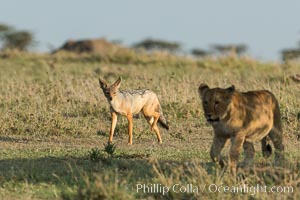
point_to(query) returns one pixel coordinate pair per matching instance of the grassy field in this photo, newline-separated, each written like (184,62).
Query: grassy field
(55,123)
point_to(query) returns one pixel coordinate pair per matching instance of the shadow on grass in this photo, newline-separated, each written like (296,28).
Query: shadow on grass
(68,170)
(72,172)
(11,139)
(58,170)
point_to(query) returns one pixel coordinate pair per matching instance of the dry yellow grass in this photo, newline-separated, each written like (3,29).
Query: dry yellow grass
(53,113)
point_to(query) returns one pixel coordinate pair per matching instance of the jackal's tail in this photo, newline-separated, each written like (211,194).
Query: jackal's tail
(162,120)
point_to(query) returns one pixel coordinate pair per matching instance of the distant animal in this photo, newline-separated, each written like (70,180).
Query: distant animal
(242,117)
(131,102)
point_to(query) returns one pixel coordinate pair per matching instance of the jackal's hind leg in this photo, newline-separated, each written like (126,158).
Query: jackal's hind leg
(152,117)
(155,128)
(156,117)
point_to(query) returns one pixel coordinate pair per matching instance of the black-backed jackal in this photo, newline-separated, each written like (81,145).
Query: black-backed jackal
(131,102)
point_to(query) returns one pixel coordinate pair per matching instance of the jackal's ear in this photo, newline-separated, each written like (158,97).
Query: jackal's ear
(117,84)
(202,89)
(102,83)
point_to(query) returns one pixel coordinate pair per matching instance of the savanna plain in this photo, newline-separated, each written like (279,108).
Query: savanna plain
(55,120)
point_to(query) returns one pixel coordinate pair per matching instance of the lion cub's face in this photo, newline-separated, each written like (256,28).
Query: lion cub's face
(215,102)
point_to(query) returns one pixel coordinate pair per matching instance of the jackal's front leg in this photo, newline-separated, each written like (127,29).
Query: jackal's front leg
(130,126)
(114,118)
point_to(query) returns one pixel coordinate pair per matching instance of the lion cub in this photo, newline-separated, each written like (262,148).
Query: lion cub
(242,117)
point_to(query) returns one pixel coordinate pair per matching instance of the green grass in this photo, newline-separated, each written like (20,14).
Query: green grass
(55,122)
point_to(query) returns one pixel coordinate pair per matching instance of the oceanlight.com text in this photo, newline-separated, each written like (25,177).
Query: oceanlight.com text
(156,188)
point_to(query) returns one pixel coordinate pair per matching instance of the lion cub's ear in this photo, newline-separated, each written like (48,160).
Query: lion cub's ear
(231,89)
(202,89)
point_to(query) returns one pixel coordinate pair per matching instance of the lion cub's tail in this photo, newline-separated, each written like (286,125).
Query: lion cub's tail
(266,147)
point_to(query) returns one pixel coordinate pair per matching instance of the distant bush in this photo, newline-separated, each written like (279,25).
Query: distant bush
(155,44)
(14,39)
(199,52)
(290,54)
(230,48)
